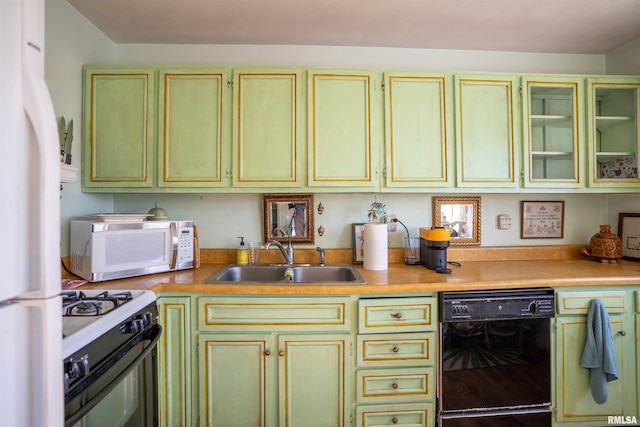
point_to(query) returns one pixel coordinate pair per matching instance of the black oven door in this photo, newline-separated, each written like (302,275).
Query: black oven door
(123,390)
(495,364)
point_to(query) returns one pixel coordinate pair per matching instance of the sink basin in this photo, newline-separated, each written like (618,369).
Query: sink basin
(275,273)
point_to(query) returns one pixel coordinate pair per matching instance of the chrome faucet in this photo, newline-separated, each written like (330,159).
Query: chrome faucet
(287,253)
(321,252)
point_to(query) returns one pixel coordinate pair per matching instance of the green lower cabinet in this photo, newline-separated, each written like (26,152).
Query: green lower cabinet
(313,379)
(395,359)
(174,362)
(274,380)
(574,404)
(234,387)
(271,361)
(407,415)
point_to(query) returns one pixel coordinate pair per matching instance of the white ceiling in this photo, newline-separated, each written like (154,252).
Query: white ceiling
(552,26)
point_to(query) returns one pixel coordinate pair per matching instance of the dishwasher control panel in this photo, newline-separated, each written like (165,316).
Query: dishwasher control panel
(497,305)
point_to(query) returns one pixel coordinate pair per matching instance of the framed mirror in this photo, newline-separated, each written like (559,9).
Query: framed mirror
(283,214)
(461,215)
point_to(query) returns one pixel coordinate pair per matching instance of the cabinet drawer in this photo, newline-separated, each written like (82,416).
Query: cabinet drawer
(409,415)
(251,314)
(395,385)
(397,315)
(578,302)
(416,349)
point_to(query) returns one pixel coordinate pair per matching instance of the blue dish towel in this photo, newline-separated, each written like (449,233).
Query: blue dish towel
(598,355)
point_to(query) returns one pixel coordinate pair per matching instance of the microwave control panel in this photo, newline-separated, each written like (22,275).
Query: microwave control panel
(185,244)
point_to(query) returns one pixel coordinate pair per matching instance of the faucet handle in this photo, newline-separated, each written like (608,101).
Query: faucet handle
(321,252)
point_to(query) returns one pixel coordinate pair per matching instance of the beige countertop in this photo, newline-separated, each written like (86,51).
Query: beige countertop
(521,267)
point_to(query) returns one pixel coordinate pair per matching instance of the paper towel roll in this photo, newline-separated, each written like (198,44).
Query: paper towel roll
(375,247)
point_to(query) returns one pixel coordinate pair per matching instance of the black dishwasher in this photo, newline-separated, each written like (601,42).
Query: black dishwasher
(495,358)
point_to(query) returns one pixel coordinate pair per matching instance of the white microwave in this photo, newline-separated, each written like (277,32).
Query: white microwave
(112,250)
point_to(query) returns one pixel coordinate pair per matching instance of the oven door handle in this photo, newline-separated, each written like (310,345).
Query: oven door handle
(80,413)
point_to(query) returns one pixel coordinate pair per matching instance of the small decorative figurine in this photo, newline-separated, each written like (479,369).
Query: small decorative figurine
(604,246)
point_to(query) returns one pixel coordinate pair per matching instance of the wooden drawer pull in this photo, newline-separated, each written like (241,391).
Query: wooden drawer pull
(395,349)
(267,352)
(394,420)
(394,386)
(622,333)
(396,316)
(281,353)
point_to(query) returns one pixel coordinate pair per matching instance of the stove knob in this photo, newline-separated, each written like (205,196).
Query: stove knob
(77,368)
(534,307)
(137,325)
(147,318)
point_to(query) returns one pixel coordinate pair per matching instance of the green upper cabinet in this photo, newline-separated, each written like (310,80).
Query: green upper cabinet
(553,131)
(267,127)
(486,130)
(192,108)
(342,128)
(612,108)
(118,127)
(417,130)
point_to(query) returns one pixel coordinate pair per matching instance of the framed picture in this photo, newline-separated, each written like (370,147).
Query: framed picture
(542,220)
(629,232)
(461,215)
(357,235)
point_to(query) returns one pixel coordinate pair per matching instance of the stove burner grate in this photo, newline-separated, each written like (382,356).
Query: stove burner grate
(80,304)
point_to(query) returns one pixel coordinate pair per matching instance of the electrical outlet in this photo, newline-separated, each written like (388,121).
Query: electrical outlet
(504,221)
(391,224)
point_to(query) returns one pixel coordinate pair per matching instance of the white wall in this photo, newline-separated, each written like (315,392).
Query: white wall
(325,56)
(221,218)
(625,59)
(70,42)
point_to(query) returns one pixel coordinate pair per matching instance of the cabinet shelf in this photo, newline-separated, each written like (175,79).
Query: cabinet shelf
(542,120)
(600,154)
(539,154)
(607,121)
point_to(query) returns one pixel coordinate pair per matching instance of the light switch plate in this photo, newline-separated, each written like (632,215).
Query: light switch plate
(504,221)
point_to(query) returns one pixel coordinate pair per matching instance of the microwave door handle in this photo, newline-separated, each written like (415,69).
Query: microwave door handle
(174,245)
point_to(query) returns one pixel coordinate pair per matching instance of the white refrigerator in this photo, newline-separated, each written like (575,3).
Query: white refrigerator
(31,387)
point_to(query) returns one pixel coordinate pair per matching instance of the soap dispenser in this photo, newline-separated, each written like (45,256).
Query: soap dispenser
(242,255)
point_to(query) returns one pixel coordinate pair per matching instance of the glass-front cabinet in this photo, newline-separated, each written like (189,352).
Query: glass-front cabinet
(552,130)
(613,106)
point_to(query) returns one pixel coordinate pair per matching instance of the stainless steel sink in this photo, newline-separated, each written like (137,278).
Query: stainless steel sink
(346,274)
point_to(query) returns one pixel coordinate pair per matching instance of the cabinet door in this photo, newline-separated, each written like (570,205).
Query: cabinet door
(573,398)
(267,128)
(343,134)
(552,129)
(314,372)
(613,105)
(118,130)
(191,131)
(417,130)
(174,362)
(486,126)
(235,389)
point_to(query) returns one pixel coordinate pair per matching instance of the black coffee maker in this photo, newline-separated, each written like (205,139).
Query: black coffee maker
(434,242)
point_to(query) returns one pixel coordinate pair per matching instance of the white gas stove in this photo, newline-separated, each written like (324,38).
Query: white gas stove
(109,353)
(87,315)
